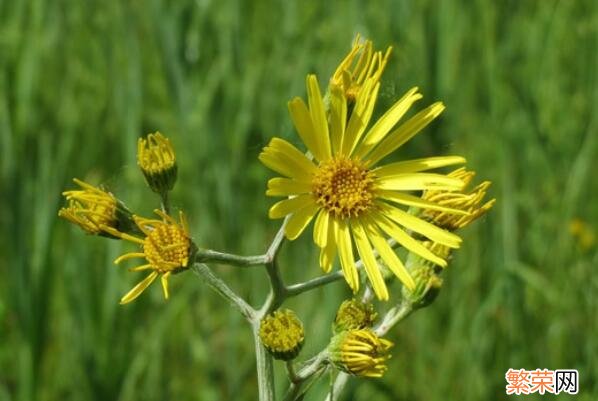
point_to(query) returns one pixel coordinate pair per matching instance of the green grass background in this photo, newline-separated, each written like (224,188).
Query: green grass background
(80,81)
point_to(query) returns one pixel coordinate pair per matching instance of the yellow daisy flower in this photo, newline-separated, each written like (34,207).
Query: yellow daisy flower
(166,247)
(91,208)
(353,201)
(359,66)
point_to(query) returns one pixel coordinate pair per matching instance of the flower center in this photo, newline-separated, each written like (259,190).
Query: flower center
(167,248)
(343,187)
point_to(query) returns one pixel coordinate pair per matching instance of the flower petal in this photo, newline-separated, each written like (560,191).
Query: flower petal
(287,206)
(369,261)
(345,247)
(139,288)
(338,117)
(299,220)
(420,226)
(419,182)
(388,255)
(405,239)
(416,165)
(318,116)
(285,186)
(321,228)
(411,200)
(387,122)
(360,116)
(404,133)
(305,126)
(328,253)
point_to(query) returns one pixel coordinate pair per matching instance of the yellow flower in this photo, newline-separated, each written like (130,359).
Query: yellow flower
(352,200)
(359,66)
(166,247)
(282,334)
(583,233)
(360,353)
(470,202)
(157,161)
(91,208)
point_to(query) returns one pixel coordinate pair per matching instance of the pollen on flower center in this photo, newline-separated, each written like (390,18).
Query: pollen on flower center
(167,248)
(343,187)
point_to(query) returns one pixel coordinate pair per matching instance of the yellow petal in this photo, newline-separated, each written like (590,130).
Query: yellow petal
(293,153)
(288,206)
(129,256)
(321,229)
(328,253)
(420,226)
(389,256)
(411,200)
(387,122)
(140,268)
(404,133)
(285,186)
(285,164)
(139,288)
(406,240)
(338,117)
(416,165)
(318,116)
(164,280)
(299,220)
(419,182)
(360,116)
(305,126)
(345,247)
(369,261)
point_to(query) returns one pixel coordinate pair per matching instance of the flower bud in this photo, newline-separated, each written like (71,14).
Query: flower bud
(282,334)
(360,352)
(427,286)
(156,158)
(354,314)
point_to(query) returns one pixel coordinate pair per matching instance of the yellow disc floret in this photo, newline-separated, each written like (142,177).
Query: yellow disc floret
(343,187)
(166,247)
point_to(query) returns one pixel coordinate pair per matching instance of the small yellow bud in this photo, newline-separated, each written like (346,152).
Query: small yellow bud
(354,314)
(282,334)
(359,352)
(157,161)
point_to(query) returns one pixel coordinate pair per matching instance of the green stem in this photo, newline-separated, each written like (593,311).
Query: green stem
(208,255)
(225,291)
(265,372)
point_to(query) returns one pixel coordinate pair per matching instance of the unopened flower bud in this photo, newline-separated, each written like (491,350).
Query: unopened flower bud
(282,334)
(427,286)
(354,314)
(360,352)
(157,161)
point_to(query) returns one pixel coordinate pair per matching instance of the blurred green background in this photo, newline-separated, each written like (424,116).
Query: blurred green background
(80,81)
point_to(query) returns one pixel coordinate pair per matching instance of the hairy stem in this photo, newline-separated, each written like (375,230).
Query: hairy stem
(224,290)
(265,372)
